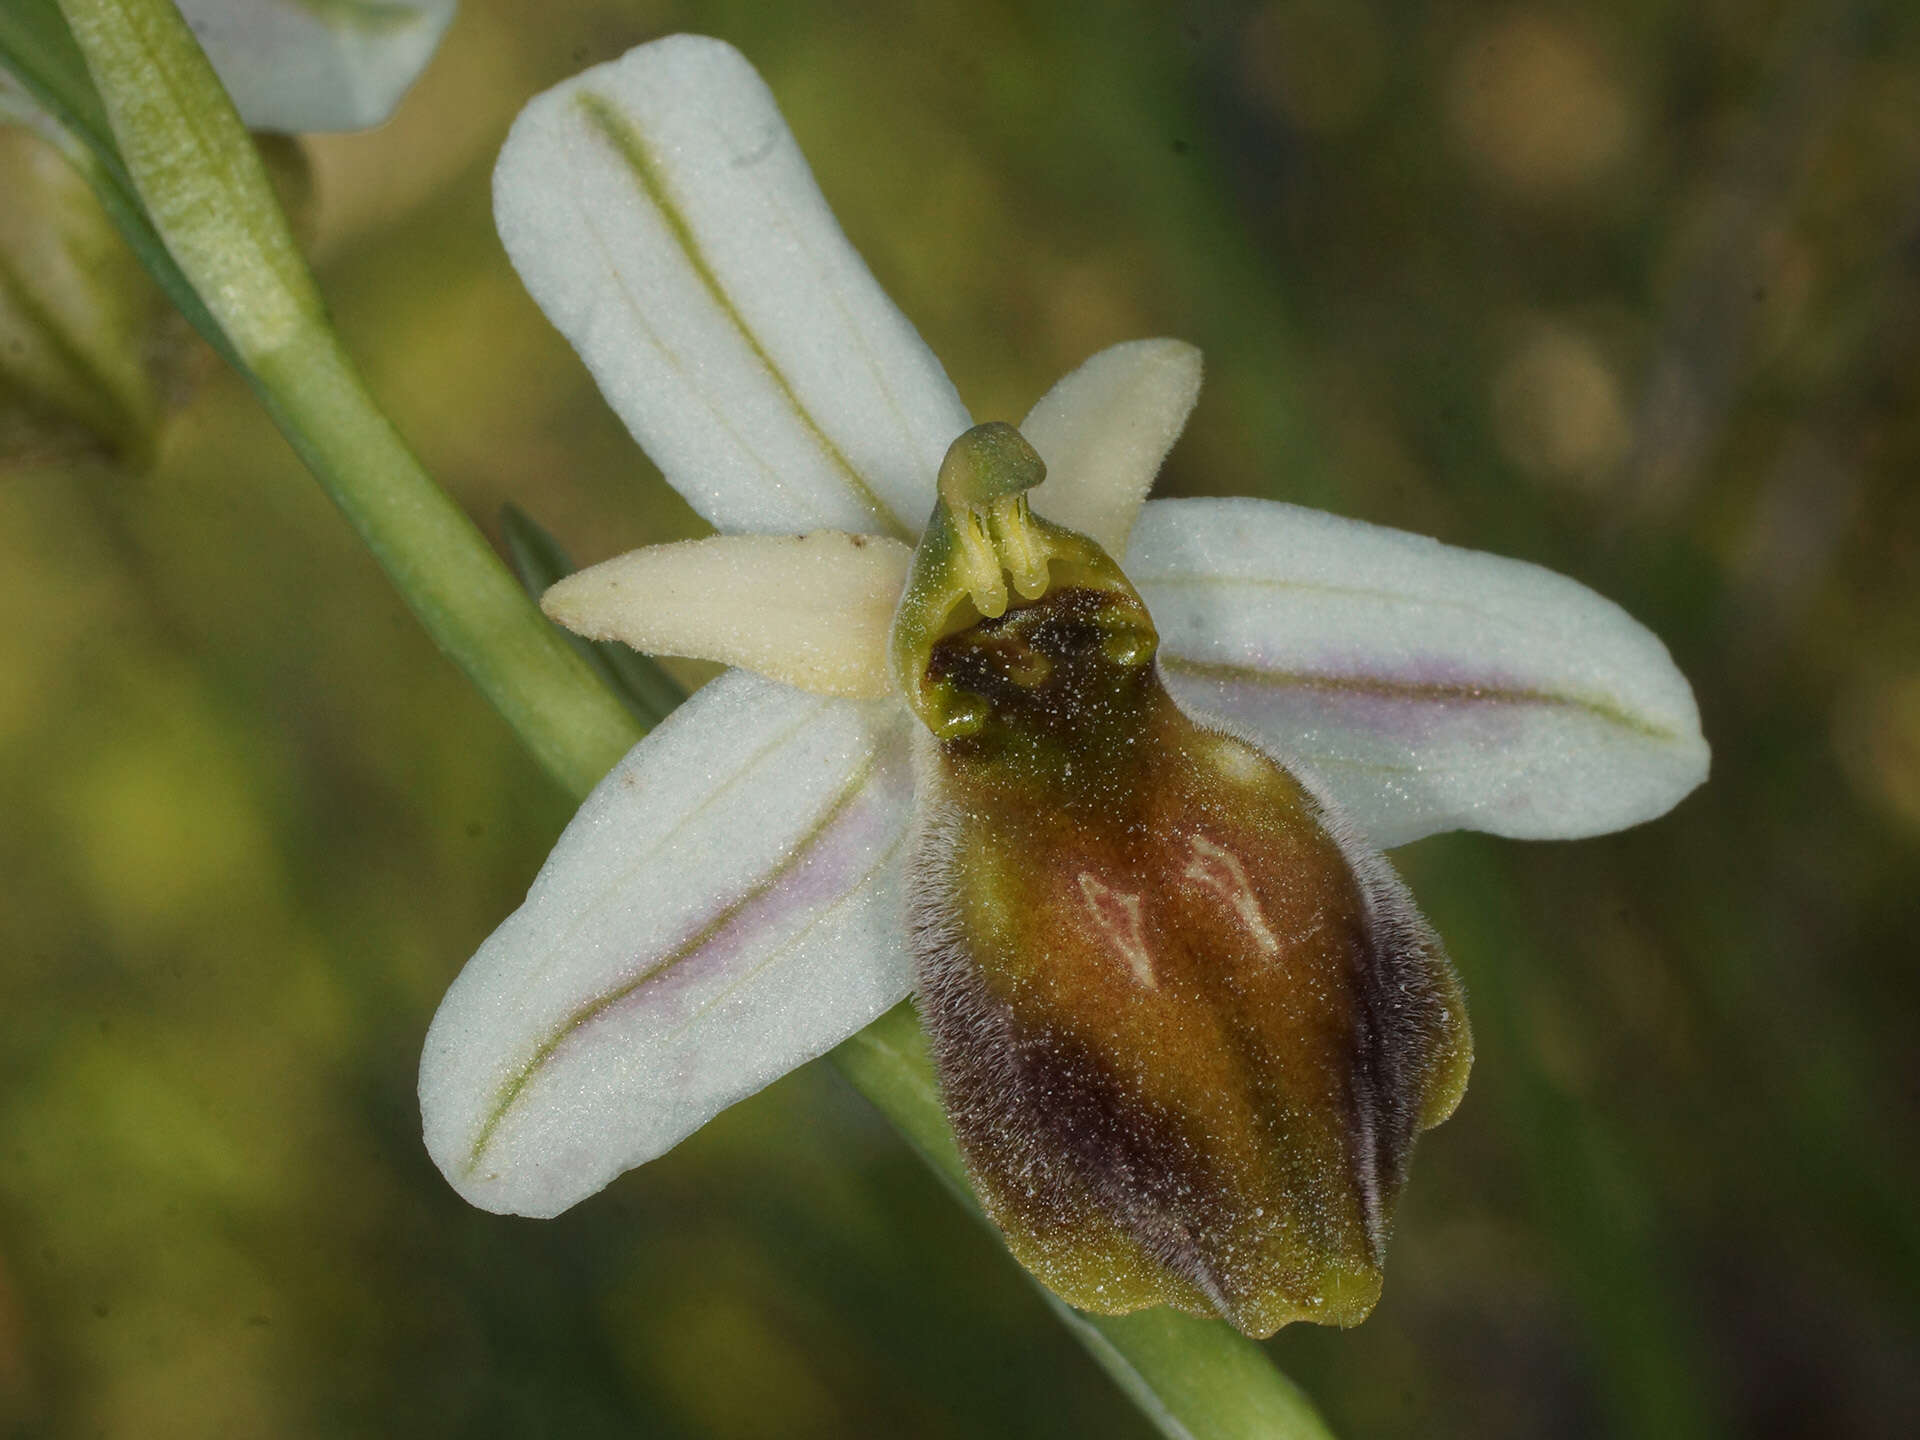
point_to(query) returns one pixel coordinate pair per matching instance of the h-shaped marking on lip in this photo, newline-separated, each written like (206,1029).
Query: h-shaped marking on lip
(1220,870)
(1117,913)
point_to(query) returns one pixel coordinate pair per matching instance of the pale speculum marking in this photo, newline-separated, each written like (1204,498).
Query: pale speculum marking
(1117,913)
(1220,870)
(1239,763)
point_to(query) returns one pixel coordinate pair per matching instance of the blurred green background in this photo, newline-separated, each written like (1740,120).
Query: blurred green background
(1631,290)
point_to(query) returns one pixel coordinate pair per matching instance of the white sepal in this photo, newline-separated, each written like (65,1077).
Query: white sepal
(298,67)
(1103,431)
(725,906)
(1426,687)
(809,610)
(660,212)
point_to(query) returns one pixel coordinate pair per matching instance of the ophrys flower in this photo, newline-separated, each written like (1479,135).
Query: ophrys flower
(1187,1019)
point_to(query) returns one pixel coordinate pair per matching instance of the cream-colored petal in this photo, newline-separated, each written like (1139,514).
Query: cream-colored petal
(811,610)
(1103,431)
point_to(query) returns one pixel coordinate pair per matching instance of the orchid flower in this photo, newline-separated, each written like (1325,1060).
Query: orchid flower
(1106,778)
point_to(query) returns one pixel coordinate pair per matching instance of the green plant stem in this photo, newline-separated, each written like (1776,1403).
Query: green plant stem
(200,183)
(204,198)
(441,563)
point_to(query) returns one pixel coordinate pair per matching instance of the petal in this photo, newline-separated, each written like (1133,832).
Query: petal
(809,610)
(726,905)
(1103,431)
(1425,687)
(302,66)
(659,210)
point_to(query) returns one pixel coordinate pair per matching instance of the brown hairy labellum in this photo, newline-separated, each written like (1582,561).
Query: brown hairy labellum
(1187,1025)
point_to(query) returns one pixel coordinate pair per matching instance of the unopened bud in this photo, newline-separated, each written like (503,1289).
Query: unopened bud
(87,342)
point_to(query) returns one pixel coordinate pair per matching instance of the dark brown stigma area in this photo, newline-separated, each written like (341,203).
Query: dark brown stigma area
(1061,677)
